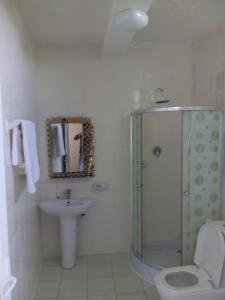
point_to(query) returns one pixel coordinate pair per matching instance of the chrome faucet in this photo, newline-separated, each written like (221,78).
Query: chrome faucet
(68,193)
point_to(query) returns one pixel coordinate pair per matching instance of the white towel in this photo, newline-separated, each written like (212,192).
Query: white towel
(59,146)
(30,155)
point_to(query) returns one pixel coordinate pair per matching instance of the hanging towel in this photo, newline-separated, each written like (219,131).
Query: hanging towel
(58,141)
(17,150)
(30,155)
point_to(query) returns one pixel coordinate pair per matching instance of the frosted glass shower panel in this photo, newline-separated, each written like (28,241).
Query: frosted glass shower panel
(136,126)
(202,135)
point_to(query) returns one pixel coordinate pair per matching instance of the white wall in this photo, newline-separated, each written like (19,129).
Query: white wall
(17,78)
(75,82)
(209,68)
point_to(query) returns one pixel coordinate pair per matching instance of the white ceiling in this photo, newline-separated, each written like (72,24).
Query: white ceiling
(182,21)
(85,21)
(67,21)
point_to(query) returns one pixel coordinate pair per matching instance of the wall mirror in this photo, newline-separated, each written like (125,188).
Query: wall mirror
(71,147)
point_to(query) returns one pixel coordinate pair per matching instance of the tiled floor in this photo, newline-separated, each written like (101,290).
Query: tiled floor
(95,277)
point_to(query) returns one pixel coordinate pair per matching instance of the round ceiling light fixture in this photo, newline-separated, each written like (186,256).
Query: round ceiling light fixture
(131,20)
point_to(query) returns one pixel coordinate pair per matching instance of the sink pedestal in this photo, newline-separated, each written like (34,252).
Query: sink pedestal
(68,211)
(68,233)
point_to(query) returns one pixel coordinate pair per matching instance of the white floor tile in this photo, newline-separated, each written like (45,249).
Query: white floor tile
(122,256)
(50,273)
(91,279)
(141,296)
(106,297)
(100,286)
(52,262)
(74,298)
(81,259)
(99,258)
(153,295)
(99,270)
(151,291)
(71,288)
(148,287)
(122,269)
(128,285)
(78,271)
(46,289)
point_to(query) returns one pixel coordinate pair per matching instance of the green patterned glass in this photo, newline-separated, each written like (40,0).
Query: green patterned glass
(201,172)
(136,184)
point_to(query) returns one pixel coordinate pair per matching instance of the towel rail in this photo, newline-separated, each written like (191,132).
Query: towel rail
(10,125)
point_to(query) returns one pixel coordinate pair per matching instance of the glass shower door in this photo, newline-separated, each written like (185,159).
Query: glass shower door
(201,174)
(136,139)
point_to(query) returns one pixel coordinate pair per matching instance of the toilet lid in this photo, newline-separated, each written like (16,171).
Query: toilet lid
(210,252)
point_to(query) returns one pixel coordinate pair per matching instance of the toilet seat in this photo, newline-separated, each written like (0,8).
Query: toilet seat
(202,282)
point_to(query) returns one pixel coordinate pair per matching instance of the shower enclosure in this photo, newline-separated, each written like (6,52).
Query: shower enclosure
(176,157)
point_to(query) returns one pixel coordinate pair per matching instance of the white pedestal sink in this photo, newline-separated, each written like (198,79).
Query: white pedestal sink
(67,210)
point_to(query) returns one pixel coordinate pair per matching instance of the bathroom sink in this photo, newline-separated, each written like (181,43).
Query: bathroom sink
(68,211)
(67,207)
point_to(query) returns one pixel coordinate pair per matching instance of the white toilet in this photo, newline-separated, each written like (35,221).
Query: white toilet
(205,280)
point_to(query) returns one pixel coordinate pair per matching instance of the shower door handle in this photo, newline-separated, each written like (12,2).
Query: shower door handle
(186,193)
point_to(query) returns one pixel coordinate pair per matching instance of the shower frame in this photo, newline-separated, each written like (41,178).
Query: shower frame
(148,271)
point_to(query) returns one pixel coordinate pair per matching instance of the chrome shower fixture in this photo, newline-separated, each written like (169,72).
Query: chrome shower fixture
(158,96)
(157,151)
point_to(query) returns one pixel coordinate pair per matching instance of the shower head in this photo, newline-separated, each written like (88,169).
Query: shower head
(158,96)
(162,101)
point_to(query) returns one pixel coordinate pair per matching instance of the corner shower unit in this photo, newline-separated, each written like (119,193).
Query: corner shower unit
(176,157)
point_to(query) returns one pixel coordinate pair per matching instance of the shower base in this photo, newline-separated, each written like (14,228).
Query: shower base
(156,256)
(144,271)
(162,253)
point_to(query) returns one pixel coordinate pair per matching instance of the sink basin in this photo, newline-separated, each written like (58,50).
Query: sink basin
(67,207)
(68,211)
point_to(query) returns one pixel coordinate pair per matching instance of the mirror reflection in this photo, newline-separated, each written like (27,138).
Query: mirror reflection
(67,149)
(71,147)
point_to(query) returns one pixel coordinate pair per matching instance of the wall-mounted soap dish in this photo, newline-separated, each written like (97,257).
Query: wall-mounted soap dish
(100,185)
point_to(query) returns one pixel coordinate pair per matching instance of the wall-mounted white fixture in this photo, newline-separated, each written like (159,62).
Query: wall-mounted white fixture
(100,186)
(131,20)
